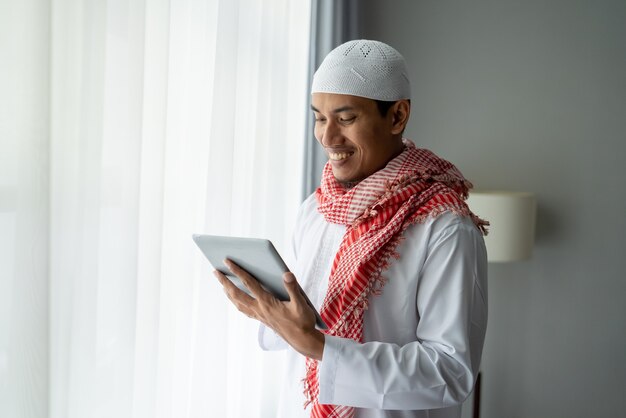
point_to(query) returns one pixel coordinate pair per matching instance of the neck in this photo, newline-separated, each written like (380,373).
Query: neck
(348,184)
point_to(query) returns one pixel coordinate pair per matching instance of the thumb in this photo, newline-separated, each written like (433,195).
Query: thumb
(292,287)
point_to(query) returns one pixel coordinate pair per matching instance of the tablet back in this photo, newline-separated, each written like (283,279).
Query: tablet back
(257,256)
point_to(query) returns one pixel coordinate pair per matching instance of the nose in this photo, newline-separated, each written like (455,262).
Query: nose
(329,134)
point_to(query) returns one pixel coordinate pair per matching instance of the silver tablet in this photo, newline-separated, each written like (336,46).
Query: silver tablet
(257,256)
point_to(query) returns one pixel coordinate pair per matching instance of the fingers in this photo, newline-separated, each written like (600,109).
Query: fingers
(252,306)
(242,301)
(250,282)
(298,297)
(230,287)
(293,288)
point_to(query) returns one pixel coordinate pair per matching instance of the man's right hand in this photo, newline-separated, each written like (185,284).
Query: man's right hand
(293,320)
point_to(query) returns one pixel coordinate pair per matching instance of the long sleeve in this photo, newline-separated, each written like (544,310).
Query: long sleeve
(438,366)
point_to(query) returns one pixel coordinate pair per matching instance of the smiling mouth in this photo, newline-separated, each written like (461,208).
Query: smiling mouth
(338,156)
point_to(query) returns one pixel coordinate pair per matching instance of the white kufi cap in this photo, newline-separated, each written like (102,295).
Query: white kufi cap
(363,68)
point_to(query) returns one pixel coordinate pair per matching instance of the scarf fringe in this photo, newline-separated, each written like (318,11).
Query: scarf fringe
(310,380)
(459,185)
(480,223)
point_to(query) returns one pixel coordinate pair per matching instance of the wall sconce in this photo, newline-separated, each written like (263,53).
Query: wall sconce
(512,223)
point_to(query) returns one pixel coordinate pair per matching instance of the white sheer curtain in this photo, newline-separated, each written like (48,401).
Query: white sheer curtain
(130,125)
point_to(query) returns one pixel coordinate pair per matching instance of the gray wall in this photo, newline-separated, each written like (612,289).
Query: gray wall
(531,95)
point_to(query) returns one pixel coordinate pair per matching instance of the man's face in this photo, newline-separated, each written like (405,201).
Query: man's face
(358,140)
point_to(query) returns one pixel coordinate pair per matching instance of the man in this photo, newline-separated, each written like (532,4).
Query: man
(388,252)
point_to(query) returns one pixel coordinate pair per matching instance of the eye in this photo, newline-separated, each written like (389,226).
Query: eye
(319,120)
(347,119)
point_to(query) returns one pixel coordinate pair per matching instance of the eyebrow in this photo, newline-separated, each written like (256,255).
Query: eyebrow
(338,110)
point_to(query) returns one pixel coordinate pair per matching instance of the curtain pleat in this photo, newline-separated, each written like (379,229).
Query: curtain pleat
(149,120)
(24,206)
(332,23)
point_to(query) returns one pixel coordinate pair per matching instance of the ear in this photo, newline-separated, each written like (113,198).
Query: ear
(400,112)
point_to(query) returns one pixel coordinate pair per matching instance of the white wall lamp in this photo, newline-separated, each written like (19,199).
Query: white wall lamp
(511,216)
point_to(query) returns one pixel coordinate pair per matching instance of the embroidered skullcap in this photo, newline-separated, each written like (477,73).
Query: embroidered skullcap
(364,68)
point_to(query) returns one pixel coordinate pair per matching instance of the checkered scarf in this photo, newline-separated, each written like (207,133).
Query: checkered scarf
(412,187)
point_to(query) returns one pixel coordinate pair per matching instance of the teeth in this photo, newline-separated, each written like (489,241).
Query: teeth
(337,156)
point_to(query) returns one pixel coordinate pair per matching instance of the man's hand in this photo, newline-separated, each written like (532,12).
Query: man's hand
(294,321)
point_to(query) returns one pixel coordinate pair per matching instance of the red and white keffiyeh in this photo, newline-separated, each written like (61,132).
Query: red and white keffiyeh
(412,187)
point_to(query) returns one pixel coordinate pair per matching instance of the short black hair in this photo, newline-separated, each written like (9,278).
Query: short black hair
(384,106)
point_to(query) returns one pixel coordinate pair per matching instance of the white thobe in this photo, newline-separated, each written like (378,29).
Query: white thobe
(423,335)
